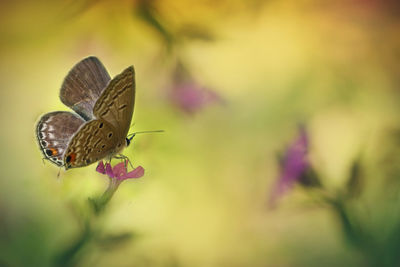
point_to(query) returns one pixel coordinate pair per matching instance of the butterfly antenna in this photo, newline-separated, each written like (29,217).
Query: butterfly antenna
(130,136)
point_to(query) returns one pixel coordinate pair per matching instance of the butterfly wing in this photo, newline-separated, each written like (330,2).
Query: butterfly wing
(95,140)
(105,136)
(116,103)
(54,131)
(83,86)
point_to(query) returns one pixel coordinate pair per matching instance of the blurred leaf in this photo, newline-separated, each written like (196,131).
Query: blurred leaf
(196,32)
(310,178)
(351,229)
(355,181)
(392,256)
(70,255)
(146,10)
(72,9)
(356,234)
(112,241)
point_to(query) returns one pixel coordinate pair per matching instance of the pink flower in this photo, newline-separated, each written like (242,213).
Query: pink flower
(109,170)
(294,165)
(191,97)
(119,171)
(187,94)
(100,167)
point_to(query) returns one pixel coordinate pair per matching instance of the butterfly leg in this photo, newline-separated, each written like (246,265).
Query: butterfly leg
(59,171)
(126,159)
(121,157)
(130,163)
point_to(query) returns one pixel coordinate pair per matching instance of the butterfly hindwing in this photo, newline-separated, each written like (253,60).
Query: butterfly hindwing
(116,103)
(95,140)
(54,131)
(83,86)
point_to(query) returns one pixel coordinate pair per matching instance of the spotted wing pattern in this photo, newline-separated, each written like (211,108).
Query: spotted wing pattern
(95,140)
(54,131)
(83,86)
(116,103)
(66,139)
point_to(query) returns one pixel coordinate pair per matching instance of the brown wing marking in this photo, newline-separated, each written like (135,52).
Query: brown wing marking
(94,141)
(54,130)
(116,103)
(83,86)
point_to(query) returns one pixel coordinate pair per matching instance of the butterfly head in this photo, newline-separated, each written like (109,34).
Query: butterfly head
(129,139)
(130,136)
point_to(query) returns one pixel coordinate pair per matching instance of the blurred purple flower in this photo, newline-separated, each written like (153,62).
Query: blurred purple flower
(293,166)
(190,97)
(119,171)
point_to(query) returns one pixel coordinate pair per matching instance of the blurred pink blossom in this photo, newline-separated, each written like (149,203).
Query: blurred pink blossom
(190,97)
(119,171)
(294,165)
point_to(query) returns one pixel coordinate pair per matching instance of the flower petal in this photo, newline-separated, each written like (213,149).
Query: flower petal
(109,170)
(119,170)
(100,168)
(136,173)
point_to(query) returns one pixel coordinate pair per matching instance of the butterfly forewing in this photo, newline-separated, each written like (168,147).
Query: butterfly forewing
(83,86)
(54,131)
(95,140)
(116,103)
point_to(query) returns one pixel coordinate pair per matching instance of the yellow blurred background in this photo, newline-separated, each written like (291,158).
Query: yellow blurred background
(332,65)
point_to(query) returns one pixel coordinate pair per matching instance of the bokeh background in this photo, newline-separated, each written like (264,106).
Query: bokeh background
(229,82)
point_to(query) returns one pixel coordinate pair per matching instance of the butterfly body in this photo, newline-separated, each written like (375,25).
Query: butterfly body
(104,110)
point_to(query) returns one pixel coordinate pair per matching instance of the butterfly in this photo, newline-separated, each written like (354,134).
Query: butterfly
(98,127)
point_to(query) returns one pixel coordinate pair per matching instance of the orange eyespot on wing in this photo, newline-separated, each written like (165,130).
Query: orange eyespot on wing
(94,141)
(51,151)
(70,158)
(54,131)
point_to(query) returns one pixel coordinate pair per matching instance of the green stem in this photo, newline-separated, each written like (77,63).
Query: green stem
(71,255)
(99,204)
(356,235)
